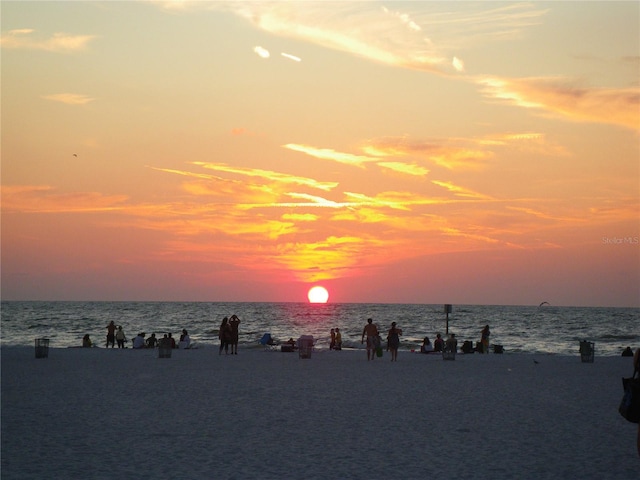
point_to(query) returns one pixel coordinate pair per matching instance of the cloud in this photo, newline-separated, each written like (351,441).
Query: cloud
(184,173)
(69,98)
(461,191)
(379,150)
(300,217)
(58,42)
(525,142)
(458,64)
(420,40)
(261,52)
(405,168)
(452,154)
(329,154)
(291,57)
(405,18)
(562,97)
(45,199)
(322,259)
(269,175)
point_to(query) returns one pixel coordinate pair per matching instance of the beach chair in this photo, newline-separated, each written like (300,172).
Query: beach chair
(268,342)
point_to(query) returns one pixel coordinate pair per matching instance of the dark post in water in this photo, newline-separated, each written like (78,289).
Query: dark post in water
(447,310)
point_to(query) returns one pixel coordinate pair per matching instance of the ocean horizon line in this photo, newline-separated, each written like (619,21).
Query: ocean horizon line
(320,305)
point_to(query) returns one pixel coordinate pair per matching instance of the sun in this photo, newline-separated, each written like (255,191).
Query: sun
(318,294)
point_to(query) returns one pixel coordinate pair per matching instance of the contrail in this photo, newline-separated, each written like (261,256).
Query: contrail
(291,57)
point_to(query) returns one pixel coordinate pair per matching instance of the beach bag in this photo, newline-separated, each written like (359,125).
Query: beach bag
(630,405)
(379,351)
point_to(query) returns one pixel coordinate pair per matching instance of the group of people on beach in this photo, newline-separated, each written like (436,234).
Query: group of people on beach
(336,339)
(374,341)
(167,341)
(228,335)
(116,334)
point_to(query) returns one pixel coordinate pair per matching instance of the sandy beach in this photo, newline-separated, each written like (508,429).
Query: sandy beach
(98,413)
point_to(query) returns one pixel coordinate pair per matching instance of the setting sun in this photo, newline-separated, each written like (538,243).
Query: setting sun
(318,294)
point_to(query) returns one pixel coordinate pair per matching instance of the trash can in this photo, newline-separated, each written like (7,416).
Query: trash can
(42,347)
(448,354)
(305,346)
(587,351)
(450,347)
(164,349)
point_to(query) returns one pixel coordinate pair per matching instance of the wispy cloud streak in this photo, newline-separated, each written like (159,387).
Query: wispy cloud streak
(411,39)
(562,97)
(69,98)
(329,154)
(57,43)
(269,175)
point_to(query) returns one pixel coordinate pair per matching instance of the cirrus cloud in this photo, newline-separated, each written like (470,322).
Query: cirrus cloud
(563,97)
(58,42)
(69,98)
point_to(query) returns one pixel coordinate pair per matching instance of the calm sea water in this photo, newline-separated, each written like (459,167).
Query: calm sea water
(530,329)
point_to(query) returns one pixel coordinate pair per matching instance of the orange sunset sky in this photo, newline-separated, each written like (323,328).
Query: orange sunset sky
(393,152)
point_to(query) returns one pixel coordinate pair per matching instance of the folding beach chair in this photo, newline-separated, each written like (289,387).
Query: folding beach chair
(268,343)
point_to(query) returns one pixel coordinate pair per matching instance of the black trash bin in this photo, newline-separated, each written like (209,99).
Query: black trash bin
(42,347)
(164,348)
(587,351)
(305,346)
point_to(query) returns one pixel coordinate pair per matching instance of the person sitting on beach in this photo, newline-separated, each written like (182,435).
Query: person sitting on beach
(152,341)
(467,346)
(164,342)
(86,341)
(185,340)
(138,342)
(627,352)
(427,346)
(438,344)
(371,331)
(120,337)
(338,345)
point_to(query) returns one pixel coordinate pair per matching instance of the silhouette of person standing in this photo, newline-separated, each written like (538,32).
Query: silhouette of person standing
(371,332)
(111,334)
(234,323)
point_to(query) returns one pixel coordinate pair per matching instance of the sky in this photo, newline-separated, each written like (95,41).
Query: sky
(393,152)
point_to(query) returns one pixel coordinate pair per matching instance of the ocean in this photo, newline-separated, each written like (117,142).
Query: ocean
(519,329)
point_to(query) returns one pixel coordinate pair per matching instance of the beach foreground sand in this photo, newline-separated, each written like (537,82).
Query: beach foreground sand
(98,413)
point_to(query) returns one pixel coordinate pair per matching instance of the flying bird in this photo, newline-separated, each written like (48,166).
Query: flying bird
(543,304)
